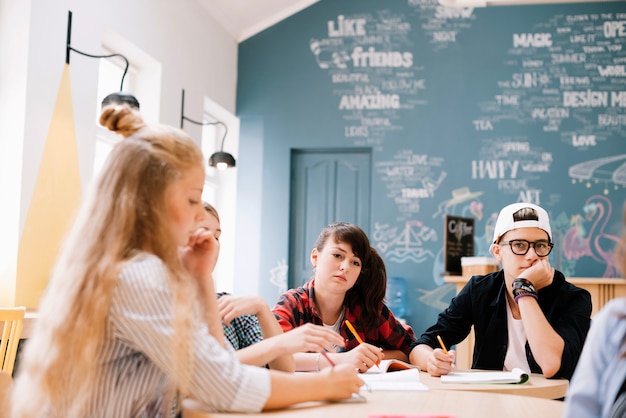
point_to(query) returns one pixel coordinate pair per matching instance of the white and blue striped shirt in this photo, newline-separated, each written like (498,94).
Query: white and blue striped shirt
(137,361)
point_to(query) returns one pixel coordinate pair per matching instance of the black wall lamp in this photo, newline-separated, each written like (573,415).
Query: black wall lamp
(113,98)
(220,159)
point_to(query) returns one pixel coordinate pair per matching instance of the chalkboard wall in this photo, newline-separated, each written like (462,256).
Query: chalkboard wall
(465,110)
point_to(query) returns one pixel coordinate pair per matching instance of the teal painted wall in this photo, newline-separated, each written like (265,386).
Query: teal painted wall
(466,110)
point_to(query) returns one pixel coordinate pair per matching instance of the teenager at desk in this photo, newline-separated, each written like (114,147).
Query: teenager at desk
(598,387)
(349,284)
(252,329)
(526,315)
(120,326)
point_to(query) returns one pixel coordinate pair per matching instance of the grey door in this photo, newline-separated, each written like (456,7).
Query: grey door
(326,186)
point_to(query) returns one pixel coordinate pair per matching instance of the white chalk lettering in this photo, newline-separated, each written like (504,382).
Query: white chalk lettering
(614,48)
(529,196)
(444,36)
(350,78)
(512,184)
(593,49)
(515,147)
(415,193)
(494,169)
(525,80)
(502,99)
(612,70)
(453,12)
(369,101)
(532,63)
(400,171)
(583,140)
(536,167)
(375,122)
(577,18)
(550,113)
(532,40)
(587,98)
(565,81)
(352,131)
(346,27)
(393,25)
(418,159)
(372,58)
(618,98)
(611,120)
(402,84)
(614,29)
(482,125)
(575,58)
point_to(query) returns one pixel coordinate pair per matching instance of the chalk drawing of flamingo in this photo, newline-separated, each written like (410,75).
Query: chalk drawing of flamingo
(595,243)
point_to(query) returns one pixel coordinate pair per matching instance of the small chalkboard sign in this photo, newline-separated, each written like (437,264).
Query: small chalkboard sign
(458,241)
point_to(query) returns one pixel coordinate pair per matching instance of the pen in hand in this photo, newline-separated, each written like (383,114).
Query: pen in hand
(443,347)
(353,331)
(332,363)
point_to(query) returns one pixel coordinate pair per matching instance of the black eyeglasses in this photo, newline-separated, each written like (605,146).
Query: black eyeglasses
(521,247)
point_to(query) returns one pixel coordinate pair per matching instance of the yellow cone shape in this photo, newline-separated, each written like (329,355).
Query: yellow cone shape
(54,202)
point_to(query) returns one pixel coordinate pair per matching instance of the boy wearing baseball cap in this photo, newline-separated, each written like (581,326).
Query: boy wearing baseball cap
(526,315)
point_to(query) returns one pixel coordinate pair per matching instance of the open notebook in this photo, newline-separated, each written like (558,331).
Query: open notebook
(408,379)
(390,366)
(514,376)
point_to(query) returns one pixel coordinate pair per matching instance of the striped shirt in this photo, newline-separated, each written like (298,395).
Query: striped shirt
(137,362)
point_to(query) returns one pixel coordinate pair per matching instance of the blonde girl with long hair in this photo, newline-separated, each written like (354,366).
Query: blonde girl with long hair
(130,313)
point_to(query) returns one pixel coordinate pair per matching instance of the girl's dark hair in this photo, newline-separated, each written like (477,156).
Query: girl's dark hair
(369,290)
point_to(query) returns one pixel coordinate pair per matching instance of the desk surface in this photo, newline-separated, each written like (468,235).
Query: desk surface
(460,404)
(537,386)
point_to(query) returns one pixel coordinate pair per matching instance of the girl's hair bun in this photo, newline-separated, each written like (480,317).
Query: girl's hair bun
(121,119)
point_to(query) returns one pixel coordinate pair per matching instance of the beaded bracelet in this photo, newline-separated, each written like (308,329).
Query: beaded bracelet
(522,281)
(522,284)
(525,288)
(524,294)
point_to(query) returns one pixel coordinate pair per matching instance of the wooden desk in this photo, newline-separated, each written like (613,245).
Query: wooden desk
(460,404)
(601,289)
(537,386)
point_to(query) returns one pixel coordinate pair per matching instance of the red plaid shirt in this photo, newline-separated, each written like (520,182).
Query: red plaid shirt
(297,307)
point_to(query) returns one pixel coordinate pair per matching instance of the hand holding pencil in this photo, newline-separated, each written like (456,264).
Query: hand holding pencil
(442,360)
(364,356)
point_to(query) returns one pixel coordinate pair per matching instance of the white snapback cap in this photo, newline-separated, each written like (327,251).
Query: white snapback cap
(506,221)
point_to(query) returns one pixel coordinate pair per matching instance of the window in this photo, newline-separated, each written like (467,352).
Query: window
(143,80)
(220,188)
(109,81)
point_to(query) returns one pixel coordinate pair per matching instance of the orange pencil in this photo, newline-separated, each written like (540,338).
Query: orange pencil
(353,331)
(443,347)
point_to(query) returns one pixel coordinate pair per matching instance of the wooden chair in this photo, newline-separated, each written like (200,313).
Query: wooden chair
(11,323)
(6,387)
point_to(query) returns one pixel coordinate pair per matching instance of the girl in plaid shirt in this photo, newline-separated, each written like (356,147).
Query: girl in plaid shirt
(349,284)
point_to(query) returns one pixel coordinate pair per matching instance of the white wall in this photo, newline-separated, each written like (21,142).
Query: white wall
(195,53)
(13,64)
